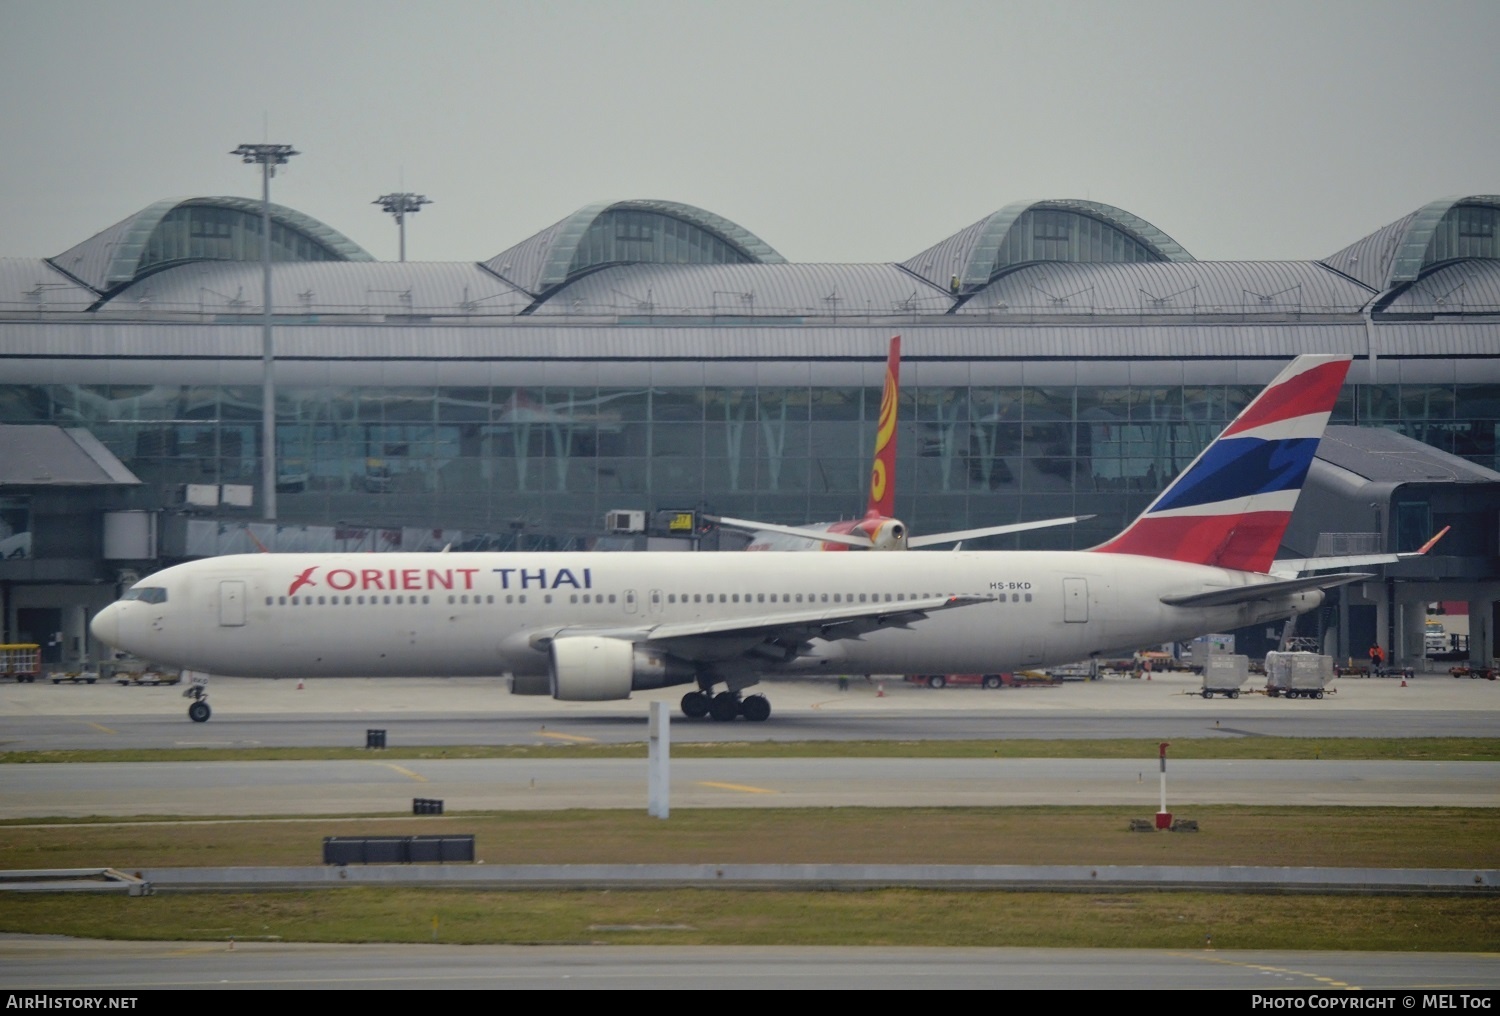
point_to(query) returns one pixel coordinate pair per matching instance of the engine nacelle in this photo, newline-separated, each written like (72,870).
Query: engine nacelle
(889,534)
(586,668)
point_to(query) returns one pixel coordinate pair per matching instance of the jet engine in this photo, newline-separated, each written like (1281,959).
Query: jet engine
(583,668)
(884,534)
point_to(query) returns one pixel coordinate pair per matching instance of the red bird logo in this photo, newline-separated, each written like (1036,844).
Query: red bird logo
(305,579)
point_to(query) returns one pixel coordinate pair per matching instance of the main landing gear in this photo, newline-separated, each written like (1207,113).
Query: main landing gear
(725,706)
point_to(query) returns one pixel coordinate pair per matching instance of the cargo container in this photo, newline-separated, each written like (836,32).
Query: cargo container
(1298,675)
(1225,674)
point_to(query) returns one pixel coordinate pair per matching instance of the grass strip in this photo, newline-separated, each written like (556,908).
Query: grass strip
(883,917)
(1228,835)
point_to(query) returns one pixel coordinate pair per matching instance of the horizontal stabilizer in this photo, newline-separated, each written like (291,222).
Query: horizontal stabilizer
(1299,565)
(1254,591)
(974,534)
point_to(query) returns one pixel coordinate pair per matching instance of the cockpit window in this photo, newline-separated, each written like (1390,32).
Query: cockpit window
(146,594)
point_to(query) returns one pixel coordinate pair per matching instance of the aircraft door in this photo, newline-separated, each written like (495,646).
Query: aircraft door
(654,602)
(231,603)
(632,602)
(1075,600)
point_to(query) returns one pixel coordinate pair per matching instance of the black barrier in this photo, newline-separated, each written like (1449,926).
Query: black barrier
(397,849)
(426,806)
(374,739)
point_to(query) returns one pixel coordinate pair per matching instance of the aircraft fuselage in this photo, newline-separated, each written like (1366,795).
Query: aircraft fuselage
(484,613)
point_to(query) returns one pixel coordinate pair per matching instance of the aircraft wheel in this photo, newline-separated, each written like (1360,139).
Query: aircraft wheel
(756,708)
(725,706)
(992,680)
(199,712)
(936,681)
(695,705)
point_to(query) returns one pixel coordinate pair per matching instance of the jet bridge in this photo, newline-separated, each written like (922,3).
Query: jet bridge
(1374,491)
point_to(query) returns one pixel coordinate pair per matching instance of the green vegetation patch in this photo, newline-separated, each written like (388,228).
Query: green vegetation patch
(883,917)
(1228,834)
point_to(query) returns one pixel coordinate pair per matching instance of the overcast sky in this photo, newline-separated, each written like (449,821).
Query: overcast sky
(836,130)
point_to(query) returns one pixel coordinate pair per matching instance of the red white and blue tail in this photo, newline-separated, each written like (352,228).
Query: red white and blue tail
(1230,508)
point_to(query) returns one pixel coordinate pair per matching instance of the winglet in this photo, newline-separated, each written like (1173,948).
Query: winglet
(1433,542)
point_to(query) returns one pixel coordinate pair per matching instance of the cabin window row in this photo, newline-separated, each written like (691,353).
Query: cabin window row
(351,601)
(399,599)
(513,599)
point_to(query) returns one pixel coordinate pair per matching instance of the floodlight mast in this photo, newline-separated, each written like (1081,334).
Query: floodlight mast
(269,157)
(400,205)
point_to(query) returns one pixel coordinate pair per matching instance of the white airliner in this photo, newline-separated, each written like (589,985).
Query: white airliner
(878,529)
(599,626)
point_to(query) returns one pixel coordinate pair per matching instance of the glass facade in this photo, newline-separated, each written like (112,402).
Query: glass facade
(553,459)
(1053,235)
(623,235)
(198,232)
(1468,231)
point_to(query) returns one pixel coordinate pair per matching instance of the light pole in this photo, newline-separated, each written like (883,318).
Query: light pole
(269,157)
(401,205)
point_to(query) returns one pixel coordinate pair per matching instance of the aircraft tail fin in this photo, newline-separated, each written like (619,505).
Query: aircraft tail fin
(883,470)
(1231,506)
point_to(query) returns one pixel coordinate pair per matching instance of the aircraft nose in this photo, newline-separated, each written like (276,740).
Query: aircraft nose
(106,625)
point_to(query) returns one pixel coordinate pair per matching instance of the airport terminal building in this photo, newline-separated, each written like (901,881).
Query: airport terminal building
(1060,357)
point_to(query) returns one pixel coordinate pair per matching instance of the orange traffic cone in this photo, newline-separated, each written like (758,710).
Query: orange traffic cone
(880,690)
(299,684)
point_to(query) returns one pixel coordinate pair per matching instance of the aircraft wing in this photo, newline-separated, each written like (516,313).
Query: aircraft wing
(1299,565)
(1253,591)
(974,534)
(851,539)
(780,634)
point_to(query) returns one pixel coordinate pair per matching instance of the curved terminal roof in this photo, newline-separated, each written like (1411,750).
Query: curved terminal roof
(31,284)
(1462,287)
(1193,287)
(198,229)
(658,259)
(322,288)
(1447,229)
(655,232)
(1060,229)
(746,290)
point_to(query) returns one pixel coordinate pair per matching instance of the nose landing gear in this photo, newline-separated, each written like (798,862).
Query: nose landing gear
(198,710)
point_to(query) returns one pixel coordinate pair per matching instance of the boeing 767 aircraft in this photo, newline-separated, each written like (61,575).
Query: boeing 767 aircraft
(599,626)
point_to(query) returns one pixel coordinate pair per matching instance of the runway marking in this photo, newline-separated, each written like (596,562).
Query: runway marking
(1265,969)
(404,771)
(736,786)
(568,737)
(100,727)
